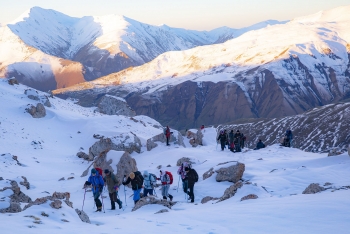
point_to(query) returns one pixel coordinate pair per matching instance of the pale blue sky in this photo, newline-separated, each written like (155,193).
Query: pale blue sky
(189,14)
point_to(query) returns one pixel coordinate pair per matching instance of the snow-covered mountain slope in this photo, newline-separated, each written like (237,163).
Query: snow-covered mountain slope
(319,130)
(99,44)
(272,72)
(278,178)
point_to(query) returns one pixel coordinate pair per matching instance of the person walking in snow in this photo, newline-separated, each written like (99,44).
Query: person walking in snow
(167,135)
(112,185)
(136,180)
(231,138)
(148,183)
(259,145)
(192,178)
(223,139)
(181,171)
(165,179)
(97,183)
(237,140)
(288,138)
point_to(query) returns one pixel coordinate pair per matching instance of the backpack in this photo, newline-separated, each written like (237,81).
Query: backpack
(194,175)
(164,131)
(154,177)
(170,176)
(139,179)
(99,170)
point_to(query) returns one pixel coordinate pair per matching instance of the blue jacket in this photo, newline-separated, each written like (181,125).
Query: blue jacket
(148,180)
(96,182)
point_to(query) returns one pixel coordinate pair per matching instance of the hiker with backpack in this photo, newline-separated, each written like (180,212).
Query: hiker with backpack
(231,138)
(192,178)
(149,180)
(112,186)
(97,183)
(181,171)
(259,145)
(136,180)
(167,179)
(167,135)
(237,141)
(223,139)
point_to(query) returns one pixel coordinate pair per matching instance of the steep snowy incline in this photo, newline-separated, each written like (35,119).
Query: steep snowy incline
(276,71)
(46,148)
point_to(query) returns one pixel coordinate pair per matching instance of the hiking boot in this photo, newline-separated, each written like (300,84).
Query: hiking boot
(171,197)
(164,197)
(99,209)
(120,204)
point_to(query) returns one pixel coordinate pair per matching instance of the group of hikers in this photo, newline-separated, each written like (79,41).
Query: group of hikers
(145,181)
(236,141)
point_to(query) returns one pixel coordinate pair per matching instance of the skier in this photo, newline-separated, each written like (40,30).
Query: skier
(136,180)
(165,179)
(259,145)
(149,182)
(181,171)
(112,185)
(192,179)
(223,139)
(167,135)
(97,183)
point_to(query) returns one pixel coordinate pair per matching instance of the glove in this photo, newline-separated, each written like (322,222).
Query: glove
(116,188)
(87,183)
(123,183)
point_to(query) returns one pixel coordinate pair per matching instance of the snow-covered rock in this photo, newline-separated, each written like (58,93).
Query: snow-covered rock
(83,216)
(232,173)
(37,112)
(313,188)
(112,105)
(154,201)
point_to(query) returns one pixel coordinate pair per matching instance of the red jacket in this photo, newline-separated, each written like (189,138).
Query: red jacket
(167,132)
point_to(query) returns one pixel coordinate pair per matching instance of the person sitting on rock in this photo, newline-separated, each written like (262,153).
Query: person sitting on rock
(112,185)
(97,183)
(259,145)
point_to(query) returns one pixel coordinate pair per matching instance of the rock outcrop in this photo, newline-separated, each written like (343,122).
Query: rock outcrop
(232,173)
(12,81)
(37,112)
(83,216)
(209,173)
(34,95)
(84,156)
(162,211)
(25,182)
(15,199)
(56,204)
(231,191)
(313,188)
(334,152)
(125,165)
(13,208)
(208,198)
(250,196)
(185,159)
(111,105)
(195,138)
(152,200)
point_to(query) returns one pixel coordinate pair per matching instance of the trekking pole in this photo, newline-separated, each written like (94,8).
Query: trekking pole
(155,191)
(178,183)
(103,206)
(82,208)
(119,200)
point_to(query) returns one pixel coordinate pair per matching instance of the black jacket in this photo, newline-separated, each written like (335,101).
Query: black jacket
(222,137)
(136,183)
(192,176)
(260,145)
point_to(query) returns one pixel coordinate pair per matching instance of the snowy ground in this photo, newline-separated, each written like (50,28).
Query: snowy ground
(281,208)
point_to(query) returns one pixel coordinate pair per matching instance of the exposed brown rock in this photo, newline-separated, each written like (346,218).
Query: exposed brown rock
(231,191)
(250,196)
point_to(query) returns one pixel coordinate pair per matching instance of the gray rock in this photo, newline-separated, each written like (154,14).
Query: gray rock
(37,112)
(150,144)
(111,105)
(1,178)
(83,216)
(17,195)
(34,95)
(162,211)
(184,159)
(25,183)
(152,200)
(13,81)
(313,188)
(208,198)
(209,173)
(231,191)
(349,150)
(84,156)
(56,204)
(13,208)
(233,173)
(57,195)
(121,142)
(250,196)
(61,179)
(125,166)
(69,203)
(334,152)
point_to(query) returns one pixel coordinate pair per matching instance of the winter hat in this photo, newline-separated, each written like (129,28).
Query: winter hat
(145,173)
(106,171)
(132,175)
(93,171)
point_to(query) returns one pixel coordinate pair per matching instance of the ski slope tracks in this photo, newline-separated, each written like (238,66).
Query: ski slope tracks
(278,178)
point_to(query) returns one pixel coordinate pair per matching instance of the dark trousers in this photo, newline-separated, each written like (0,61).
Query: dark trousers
(191,193)
(167,140)
(147,191)
(114,199)
(97,199)
(185,185)
(222,145)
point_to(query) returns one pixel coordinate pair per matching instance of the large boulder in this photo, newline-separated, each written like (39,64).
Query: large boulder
(111,105)
(231,191)
(13,208)
(125,165)
(122,142)
(83,216)
(37,112)
(196,137)
(152,200)
(313,188)
(232,173)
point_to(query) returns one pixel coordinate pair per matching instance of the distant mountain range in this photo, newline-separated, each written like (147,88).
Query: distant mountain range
(276,71)
(47,50)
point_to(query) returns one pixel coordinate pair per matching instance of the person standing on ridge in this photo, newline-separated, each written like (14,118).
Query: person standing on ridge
(97,183)
(112,186)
